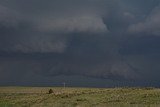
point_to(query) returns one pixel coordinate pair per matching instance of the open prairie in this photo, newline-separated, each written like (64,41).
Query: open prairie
(79,97)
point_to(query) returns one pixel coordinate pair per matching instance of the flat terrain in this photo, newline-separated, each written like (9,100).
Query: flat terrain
(79,97)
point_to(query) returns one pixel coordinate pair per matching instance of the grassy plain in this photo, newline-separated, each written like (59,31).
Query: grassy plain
(79,97)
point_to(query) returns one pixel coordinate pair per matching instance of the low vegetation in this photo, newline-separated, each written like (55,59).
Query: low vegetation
(78,97)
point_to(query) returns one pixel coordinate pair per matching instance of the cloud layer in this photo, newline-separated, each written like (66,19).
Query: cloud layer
(106,39)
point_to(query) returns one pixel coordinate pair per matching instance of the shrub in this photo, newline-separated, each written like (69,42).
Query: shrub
(50,91)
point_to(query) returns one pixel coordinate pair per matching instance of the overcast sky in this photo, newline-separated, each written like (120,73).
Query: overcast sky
(115,40)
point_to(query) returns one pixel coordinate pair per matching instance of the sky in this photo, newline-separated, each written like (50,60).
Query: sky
(82,42)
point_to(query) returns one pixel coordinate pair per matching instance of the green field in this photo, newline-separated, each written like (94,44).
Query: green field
(79,97)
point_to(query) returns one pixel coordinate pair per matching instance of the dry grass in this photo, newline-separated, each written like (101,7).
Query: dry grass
(79,97)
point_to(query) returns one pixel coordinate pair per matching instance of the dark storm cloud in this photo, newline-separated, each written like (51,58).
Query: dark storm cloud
(49,21)
(151,24)
(113,39)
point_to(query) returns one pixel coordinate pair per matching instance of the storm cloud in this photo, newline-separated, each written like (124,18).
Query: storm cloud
(105,39)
